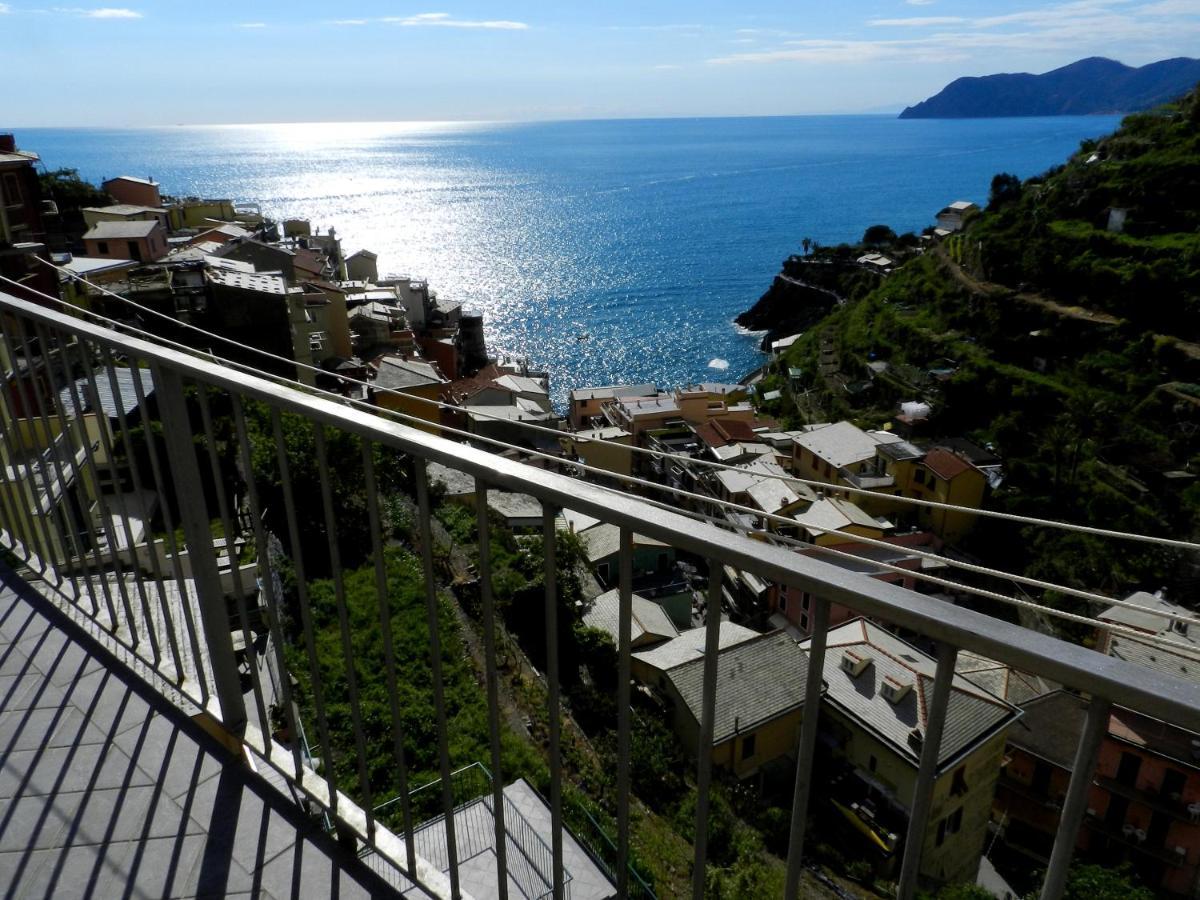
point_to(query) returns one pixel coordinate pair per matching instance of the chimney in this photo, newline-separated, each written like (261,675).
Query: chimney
(8,143)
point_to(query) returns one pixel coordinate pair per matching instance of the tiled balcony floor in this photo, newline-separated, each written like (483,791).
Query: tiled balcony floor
(109,790)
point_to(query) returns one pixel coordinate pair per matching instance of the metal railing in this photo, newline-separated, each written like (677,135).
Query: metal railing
(185,465)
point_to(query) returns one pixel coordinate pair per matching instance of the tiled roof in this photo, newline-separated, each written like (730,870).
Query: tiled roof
(842,443)
(1005,682)
(123,230)
(604,540)
(689,645)
(945,464)
(834,514)
(396,372)
(650,621)
(1051,727)
(757,680)
(973,714)
(609,391)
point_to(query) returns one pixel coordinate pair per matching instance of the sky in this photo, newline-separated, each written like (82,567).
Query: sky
(166,62)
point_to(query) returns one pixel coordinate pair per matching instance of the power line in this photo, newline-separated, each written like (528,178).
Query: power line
(709,500)
(1173,543)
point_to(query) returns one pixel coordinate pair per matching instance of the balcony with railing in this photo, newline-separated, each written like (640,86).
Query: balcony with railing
(178,728)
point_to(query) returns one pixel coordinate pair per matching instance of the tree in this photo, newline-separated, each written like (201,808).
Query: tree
(1092,882)
(71,194)
(1005,190)
(878,235)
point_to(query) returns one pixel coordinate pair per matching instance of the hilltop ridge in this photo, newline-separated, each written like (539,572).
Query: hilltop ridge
(1089,86)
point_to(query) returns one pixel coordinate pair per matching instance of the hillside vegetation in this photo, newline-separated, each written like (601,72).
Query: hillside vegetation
(1070,346)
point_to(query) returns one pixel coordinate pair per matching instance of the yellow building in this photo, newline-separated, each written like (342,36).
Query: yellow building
(404,384)
(602,448)
(759,701)
(949,478)
(874,716)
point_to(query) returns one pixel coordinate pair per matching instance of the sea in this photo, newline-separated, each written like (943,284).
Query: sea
(603,251)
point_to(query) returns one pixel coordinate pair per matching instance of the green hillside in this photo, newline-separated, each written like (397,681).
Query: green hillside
(1062,344)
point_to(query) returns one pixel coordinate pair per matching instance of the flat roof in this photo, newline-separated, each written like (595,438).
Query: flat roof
(123,230)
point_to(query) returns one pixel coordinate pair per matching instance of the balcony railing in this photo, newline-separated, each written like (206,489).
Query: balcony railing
(179,622)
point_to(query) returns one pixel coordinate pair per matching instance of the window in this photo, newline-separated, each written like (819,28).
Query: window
(748,746)
(872,763)
(919,477)
(783,602)
(958,785)
(941,832)
(102,248)
(316,340)
(952,824)
(135,251)
(12,189)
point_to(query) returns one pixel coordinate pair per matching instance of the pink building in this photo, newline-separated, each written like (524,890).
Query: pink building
(137,240)
(1144,805)
(134,191)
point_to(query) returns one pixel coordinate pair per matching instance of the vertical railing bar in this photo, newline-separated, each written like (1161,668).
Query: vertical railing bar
(624,735)
(1087,753)
(306,623)
(234,562)
(173,548)
(708,706)
(554,710)
(89,556)
(339,592)
(389,655)
(483,528)
(119,498)
(808,745)
(24,514)
(197,530)
(918,818)
(425,529)
(139,486)
(267,580)
(90,465)
(37,526)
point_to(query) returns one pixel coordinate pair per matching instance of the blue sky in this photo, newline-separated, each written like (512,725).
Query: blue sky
(168,62)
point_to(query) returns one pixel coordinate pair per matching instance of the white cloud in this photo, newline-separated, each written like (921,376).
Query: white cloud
(5,8)
(667,66)
(109,12)
(1058,32)
(349,22)
(919,2)
(917,21)
(252,25)
(445,20)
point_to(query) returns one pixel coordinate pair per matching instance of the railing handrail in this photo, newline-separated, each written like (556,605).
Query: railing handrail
(1157,694)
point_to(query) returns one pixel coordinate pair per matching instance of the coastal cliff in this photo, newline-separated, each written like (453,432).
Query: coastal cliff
(1088,87)
(789,305)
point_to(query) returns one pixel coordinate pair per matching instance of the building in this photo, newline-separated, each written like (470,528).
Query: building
(1181,659)
(650,623)
(953,217)
(22,232)
(124,212)
(1144,801)
(588,403)
(136,239)
(948,478)
(834,452)
(761,685)
(362,266)
(134,191)
(874,717)
(601,448)
(408,385)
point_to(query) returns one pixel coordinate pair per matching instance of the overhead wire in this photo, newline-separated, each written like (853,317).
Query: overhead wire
(639,482)
(1173,543)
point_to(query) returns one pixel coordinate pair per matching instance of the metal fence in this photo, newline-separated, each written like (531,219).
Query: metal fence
(175,612)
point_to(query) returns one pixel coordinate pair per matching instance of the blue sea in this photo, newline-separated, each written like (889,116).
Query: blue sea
(605,251)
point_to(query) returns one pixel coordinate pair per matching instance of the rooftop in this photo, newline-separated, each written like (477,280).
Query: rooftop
(843,443)
(397,373)
(246,281)
(946,465)
(833,514)
(125,209)
(757,680)
(973,714)
(650,622)
(603,540)
(612,391)
(689,646)
(117,231)
(133,179)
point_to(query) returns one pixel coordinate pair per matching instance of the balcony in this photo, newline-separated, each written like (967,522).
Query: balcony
(867,481)
(125,685)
